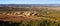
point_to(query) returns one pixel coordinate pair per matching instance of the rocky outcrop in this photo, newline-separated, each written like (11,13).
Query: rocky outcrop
(25,13)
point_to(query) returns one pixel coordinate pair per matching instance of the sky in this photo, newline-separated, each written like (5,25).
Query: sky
(29,1)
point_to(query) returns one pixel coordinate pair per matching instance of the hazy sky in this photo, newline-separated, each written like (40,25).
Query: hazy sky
(29,1)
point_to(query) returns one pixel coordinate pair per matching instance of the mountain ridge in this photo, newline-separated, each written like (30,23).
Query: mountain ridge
(29,5)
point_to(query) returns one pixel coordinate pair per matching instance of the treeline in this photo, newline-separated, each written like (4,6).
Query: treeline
(21,9)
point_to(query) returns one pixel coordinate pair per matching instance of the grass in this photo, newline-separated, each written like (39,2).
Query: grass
(40,22)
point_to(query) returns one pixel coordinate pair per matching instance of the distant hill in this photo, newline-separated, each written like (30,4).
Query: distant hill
(29,5)
(17,7)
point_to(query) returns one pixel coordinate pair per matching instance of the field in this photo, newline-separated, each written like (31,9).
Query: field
(32,16)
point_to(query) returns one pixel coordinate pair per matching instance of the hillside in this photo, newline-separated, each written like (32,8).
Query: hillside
(29,15)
